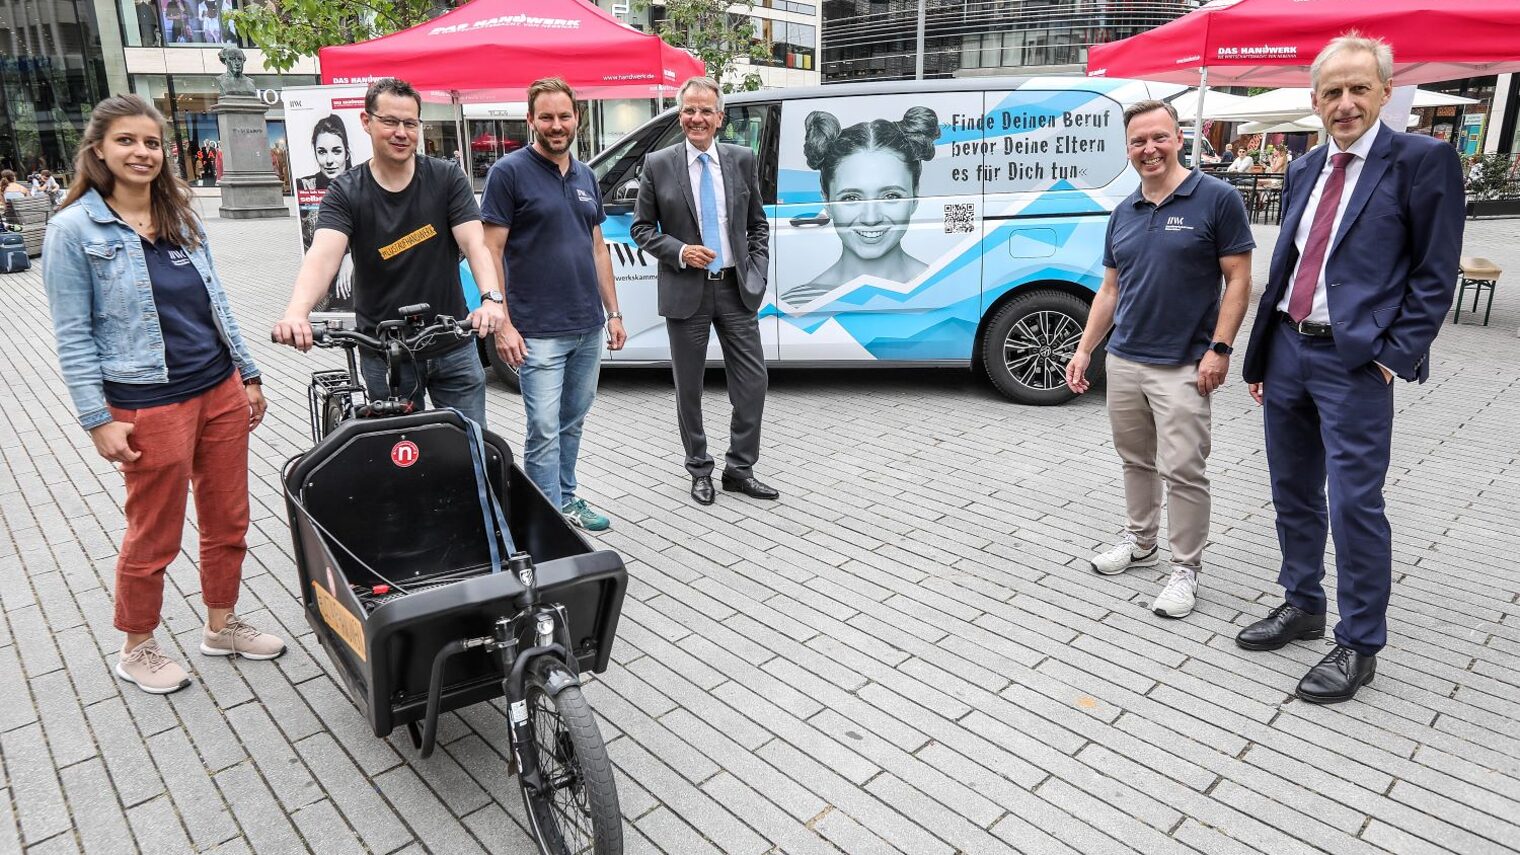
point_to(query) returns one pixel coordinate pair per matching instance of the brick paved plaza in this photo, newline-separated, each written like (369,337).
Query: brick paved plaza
(907,654)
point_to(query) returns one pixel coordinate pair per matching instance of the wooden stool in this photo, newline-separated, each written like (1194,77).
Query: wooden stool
(1477,274)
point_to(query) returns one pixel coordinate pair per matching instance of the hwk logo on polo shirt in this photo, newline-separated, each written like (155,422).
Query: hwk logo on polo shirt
(1177,224)
(583,196)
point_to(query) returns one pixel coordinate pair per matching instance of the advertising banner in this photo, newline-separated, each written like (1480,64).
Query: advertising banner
(326,140)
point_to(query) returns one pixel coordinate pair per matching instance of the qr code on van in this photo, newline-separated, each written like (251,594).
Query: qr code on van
(960,218)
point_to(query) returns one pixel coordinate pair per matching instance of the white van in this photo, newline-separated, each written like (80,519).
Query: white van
(963,226)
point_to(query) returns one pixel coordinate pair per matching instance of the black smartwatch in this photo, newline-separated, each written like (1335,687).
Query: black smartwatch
(1221,348)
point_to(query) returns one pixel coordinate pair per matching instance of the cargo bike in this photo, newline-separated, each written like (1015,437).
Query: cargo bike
(437,576)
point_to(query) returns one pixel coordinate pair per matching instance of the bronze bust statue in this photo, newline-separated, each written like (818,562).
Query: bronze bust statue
(233,81)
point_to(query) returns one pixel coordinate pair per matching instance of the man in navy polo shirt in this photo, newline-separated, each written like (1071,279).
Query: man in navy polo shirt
(559,281)
(1167,246)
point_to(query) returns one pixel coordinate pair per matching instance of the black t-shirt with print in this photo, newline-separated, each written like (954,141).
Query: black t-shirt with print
(403,247)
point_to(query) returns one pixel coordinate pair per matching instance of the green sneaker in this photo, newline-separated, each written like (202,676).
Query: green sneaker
(584,516)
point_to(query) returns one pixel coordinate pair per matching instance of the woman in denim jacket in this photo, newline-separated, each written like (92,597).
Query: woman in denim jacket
(160,377)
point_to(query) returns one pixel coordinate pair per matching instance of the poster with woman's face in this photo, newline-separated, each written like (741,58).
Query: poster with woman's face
(325,140)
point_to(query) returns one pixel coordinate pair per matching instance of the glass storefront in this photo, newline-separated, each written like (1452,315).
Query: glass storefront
(1463,126)
(195,142)
(51,75)
(179,23)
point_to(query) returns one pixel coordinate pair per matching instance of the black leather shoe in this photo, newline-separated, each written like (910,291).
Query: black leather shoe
(750,486)
(1281,625)
(702,489)
(1337,677)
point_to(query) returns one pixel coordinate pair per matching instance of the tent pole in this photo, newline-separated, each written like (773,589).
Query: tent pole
(464,144)
(1203,90)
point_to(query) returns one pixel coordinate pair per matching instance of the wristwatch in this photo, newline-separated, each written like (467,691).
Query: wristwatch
(614,316)
(254,381)
(1221,348)
(493,296)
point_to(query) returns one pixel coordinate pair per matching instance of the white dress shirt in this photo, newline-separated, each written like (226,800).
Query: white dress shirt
(694,170)
(1319,313)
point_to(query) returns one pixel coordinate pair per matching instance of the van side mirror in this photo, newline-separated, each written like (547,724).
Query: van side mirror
(623,196)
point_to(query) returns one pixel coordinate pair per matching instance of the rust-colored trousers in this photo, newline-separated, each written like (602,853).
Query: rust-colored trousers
(200,443)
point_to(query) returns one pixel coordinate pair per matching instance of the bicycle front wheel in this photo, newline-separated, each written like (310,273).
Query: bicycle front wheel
(577,814)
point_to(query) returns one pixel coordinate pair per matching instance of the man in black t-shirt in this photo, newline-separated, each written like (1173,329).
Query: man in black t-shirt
(406,219)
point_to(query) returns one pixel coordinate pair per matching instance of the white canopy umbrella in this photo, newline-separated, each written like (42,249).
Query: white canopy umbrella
(1288,104)
(1187,104)
(1306,125)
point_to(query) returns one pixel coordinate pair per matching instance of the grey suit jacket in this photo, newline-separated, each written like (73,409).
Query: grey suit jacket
(665,219)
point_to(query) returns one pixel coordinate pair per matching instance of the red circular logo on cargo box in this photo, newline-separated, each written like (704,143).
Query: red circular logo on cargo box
(405,453)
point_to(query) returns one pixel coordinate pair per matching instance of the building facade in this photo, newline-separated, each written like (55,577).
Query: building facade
(878,39)
(51,71)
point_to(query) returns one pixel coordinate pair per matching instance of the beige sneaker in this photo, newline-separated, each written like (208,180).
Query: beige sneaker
(239,637)
(152,671)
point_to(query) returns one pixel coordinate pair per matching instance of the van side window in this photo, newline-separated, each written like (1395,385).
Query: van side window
(625,161)
(755,126)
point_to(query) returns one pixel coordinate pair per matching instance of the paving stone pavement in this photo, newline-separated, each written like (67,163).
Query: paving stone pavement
(906,654)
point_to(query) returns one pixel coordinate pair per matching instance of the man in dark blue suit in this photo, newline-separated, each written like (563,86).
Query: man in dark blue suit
(1360,281)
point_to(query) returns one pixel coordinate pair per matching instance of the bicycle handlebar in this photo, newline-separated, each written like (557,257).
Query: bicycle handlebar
(323,335)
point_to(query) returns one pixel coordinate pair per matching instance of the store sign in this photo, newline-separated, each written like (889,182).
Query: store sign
(269,96)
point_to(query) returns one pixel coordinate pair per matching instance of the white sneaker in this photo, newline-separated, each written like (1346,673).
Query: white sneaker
(1177,598)
(1124,555)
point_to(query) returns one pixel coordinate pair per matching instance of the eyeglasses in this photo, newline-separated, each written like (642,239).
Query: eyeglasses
(704,112)
(391,123)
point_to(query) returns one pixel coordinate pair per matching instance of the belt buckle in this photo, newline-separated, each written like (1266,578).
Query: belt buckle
(714,274)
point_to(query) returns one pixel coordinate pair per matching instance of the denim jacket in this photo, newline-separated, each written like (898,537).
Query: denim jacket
(104,317)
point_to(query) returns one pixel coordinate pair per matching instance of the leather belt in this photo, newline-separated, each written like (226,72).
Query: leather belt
(724,273)
(1308,328)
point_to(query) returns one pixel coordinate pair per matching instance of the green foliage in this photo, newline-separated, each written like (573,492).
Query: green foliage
(1492,176)
(287,30)
(713,35)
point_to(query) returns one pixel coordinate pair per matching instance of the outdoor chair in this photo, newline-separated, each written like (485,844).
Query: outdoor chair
(31,213)
(1478,274)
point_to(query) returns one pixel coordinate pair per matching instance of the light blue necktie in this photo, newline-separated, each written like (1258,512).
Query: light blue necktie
(709,198)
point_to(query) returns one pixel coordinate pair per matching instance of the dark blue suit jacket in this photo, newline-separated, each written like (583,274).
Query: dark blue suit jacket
(1391,267)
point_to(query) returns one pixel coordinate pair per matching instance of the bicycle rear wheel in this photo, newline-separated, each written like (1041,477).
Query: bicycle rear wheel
(578,813)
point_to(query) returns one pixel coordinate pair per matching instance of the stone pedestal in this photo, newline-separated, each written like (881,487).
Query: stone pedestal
(250,189)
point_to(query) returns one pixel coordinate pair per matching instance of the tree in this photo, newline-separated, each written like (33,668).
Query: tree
(287,30)
(713,35)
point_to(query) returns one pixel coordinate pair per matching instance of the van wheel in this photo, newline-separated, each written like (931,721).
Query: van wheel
(1028,343)
(504,372)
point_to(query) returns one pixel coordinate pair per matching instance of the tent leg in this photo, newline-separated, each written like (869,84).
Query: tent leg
(1203,91)
(464,144)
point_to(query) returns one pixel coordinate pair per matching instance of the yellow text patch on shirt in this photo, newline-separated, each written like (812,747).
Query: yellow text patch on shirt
(390,251)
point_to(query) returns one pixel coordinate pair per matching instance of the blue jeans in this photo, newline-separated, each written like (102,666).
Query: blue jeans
(558,383)
(454,379)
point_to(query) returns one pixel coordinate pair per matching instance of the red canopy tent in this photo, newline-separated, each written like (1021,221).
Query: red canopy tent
(490,50)
(1272,42)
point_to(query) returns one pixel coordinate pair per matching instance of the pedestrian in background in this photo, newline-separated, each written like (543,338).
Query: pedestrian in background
(162,381)
(1360,281)
(1167,248)
(543,220)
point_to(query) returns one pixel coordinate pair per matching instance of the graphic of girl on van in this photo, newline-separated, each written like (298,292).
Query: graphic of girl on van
(869,176)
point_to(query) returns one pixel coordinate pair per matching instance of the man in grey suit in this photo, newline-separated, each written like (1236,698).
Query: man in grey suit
(699,212)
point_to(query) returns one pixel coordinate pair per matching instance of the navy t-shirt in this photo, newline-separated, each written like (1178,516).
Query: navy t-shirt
(1168,256)
(197,357)
(550,260)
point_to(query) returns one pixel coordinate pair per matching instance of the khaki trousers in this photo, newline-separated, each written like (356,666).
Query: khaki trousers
(1162,433)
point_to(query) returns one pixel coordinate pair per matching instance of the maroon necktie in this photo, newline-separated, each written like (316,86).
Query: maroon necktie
(1319,239)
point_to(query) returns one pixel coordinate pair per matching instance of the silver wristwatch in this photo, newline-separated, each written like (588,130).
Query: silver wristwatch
(614,316)
(493,296)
